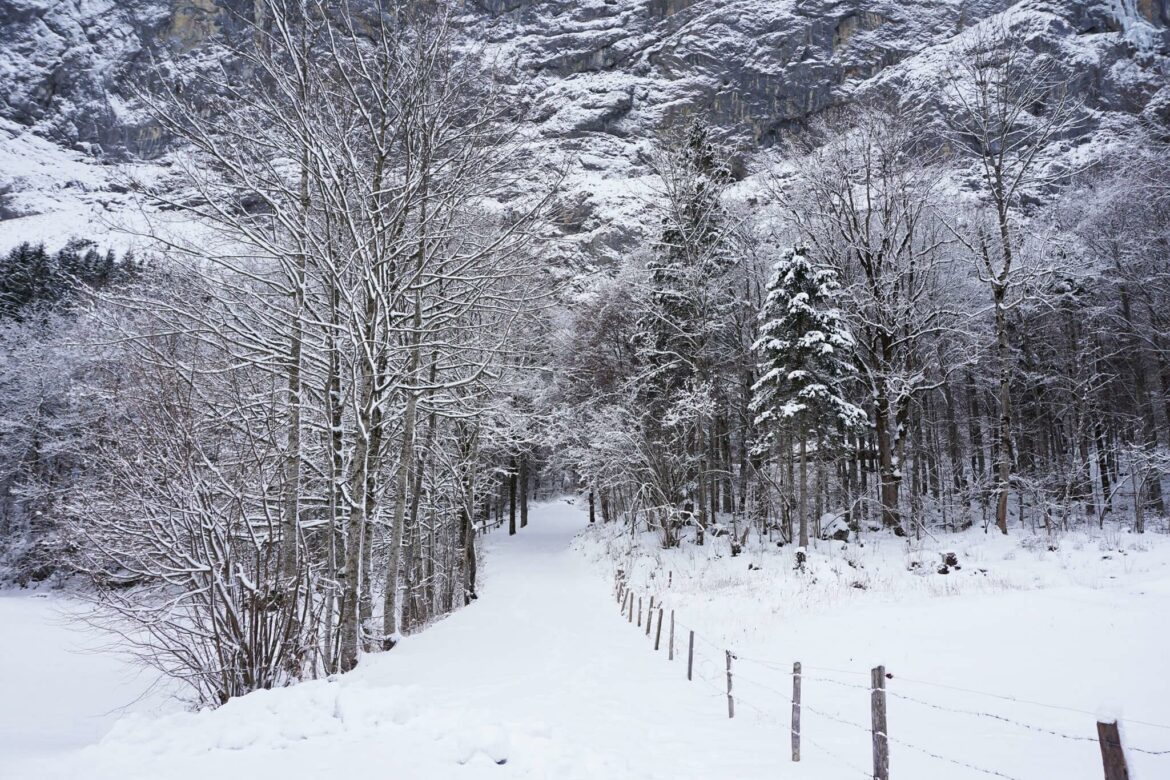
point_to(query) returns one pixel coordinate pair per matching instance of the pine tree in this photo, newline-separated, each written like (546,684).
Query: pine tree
(32,278)
(691,253)
(805,361)
(684,337)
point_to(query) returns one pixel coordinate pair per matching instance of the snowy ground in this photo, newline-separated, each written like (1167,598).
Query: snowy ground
(1076,630)
(542,678)
(60,687)
(50,195)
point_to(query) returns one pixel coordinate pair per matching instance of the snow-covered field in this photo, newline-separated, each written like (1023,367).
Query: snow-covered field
(543,678)
(61,686)
(1047,633)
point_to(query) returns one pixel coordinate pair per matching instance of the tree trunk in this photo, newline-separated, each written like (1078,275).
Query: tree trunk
(1003,465)
(523,490)
(512,498)
(888,474)
(803,508)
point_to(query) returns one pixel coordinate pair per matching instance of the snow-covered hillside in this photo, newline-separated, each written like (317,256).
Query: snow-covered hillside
(602,77)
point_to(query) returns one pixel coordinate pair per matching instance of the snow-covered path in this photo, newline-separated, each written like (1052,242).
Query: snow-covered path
(539,678)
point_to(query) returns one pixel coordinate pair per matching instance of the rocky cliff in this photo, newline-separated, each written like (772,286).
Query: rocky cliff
(605,74)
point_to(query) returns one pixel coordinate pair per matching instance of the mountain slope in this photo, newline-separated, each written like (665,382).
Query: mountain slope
(604,77)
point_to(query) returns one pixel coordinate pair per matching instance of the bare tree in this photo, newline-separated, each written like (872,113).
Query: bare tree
(1009,105)
(360,283)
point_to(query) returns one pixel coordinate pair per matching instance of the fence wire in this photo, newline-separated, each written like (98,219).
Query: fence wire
(711,673)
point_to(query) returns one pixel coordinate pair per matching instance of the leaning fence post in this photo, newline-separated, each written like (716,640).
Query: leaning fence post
(796,711)
(690,654)
(1112,754)
(649,615)
(881,745)
(658,633)
(730,700)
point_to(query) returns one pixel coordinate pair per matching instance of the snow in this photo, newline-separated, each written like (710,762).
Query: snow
(60,686)
(1046,638)
(540,672)
(55,194)
(541,677)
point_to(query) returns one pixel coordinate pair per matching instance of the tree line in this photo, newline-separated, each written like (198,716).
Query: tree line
(924,319)
(303,409)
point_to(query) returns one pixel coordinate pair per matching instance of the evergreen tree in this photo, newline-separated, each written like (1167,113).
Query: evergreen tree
(691,254)
(30,276)
(805,352)
(683,342)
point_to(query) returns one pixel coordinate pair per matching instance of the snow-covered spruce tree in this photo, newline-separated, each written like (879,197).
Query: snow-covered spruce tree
(805,362)
(867,202)
(691,252)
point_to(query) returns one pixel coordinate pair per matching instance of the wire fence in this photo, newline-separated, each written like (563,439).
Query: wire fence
(719,671)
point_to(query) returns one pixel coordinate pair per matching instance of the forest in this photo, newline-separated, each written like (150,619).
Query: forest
(269,444)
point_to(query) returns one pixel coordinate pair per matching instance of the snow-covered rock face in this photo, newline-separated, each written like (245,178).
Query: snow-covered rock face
(604,75)
(607,75)
(620,67)
(750,66)
(69,67)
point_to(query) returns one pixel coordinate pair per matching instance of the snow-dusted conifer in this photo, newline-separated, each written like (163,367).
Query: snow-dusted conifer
(805,360)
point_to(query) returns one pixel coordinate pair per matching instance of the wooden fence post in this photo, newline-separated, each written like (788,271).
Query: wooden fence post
(639,612)
(658,633)
(670,641)
(1112,754)
(796,711)
(631,618)
(690,654)
(730,700)
(877,708)
(649,615)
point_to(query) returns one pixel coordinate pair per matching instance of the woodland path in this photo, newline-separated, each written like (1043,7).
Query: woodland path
(545,651)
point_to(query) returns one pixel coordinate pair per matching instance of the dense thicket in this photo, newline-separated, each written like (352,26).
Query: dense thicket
(47,421)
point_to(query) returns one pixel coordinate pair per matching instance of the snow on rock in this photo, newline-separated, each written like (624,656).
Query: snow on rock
(50,194)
